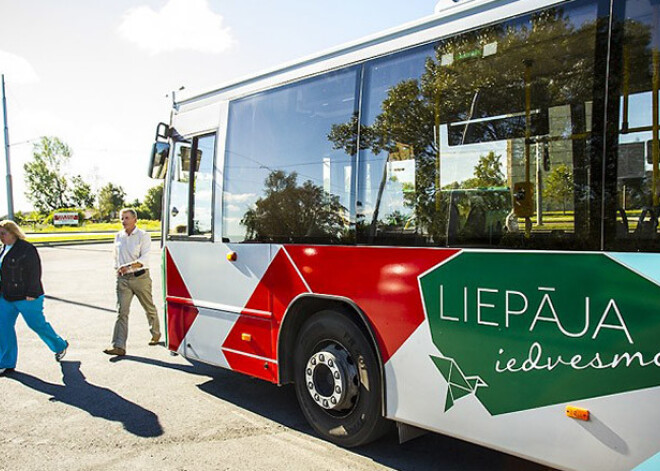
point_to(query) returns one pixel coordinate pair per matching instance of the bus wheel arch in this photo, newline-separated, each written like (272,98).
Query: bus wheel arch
(301,309)
(330,353)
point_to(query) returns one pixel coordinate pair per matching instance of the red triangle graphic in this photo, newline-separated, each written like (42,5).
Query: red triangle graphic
(279,285)
(181,312)
(381,281)
(277,288)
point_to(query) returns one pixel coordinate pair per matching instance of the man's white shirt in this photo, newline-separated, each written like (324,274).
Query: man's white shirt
(132,248)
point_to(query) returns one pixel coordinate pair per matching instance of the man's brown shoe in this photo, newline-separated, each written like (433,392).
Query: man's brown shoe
(115,351)
(154,340)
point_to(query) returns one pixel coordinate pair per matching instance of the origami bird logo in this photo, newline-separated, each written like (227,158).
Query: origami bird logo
(459,384)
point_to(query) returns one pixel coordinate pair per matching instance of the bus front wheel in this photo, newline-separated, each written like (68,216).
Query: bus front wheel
(337,380)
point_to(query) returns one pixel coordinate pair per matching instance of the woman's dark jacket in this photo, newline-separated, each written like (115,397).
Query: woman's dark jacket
(21,272)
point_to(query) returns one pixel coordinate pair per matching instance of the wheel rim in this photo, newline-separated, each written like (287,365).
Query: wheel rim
(332,378)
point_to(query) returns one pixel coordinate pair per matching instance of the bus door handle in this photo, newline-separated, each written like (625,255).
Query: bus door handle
(174,211)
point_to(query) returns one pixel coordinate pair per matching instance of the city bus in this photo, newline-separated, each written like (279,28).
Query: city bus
(451,226)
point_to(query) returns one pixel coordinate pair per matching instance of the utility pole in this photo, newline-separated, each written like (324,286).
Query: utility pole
(10,193)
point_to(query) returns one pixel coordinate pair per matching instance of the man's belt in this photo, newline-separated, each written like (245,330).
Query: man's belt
(136,273)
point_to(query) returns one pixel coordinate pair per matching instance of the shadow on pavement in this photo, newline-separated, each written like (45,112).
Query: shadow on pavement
(429,452)
(95,400)
(69,301)
(279,404)
(199,369)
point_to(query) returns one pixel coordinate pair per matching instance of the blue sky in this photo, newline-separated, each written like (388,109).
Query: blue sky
(96,73)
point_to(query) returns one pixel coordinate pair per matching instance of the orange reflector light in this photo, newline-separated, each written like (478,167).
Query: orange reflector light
(246,337)
(232,256)
(577,413)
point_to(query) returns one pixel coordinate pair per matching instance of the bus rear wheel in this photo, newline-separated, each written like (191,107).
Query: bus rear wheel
(337,380)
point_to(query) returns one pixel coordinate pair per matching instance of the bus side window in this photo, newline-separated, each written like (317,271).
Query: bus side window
(285,178)
(202,187)
(191,188)
(634,203)
(467,139)
(180,179)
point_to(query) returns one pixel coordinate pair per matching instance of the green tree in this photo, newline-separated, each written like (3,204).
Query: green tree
(111,200)
(82,195)
(559,186)
(152,206)
(47,187)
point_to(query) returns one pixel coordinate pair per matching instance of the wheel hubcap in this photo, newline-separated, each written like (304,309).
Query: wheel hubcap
(332,378)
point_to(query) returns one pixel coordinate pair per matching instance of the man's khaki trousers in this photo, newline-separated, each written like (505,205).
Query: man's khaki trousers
(127,287)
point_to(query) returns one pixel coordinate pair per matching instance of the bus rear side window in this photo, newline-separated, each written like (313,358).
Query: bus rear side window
(634,206)
(484,139)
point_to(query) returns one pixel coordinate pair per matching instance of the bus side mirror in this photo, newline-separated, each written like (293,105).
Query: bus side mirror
(162,132)
(159,157)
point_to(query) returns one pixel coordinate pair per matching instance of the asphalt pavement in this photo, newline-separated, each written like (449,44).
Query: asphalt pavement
(150,410)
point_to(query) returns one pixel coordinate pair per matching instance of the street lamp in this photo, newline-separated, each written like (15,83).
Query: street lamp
(10,198)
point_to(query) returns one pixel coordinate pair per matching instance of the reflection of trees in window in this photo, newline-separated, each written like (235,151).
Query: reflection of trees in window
(494,84)
(633,184)
(637,59)
(484,207)
(487,173)
(289,212)
(641,58)
(559,187)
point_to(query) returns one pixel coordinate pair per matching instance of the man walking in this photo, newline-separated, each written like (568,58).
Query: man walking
(131,252)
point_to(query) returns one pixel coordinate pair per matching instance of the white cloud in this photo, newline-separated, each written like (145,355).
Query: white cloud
(239,197)
(179,25)
(17,70)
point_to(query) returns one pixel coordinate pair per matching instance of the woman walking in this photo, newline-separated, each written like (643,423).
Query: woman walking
(21,292)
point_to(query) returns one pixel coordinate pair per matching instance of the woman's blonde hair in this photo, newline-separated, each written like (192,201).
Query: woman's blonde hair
(11,226)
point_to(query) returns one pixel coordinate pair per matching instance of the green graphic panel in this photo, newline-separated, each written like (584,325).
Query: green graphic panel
(524,330)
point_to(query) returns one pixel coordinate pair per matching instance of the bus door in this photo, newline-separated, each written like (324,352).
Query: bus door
(209,281)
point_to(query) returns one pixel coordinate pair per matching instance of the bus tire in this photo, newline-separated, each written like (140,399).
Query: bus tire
(337,380)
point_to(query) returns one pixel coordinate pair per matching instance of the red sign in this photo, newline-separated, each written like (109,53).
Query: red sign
(65,219)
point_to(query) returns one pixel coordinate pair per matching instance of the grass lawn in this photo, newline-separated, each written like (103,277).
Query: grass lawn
(89,227)
(43,233)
